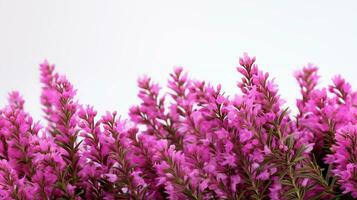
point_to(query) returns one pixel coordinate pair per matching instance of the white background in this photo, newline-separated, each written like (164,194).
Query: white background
(104,46)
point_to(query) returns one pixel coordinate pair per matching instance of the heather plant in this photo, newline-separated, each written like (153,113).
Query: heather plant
(191,142)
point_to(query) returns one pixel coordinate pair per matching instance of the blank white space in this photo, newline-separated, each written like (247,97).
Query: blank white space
(103,46)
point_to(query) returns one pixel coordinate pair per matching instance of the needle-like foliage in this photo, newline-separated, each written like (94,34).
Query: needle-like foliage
(191,142)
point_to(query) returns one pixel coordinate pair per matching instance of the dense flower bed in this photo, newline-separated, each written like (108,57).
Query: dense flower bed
(193,142)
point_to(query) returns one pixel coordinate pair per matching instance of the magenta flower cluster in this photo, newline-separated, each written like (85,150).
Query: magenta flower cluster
(191,142)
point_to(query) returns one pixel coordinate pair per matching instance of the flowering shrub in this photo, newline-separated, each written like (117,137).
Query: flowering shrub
(193,142)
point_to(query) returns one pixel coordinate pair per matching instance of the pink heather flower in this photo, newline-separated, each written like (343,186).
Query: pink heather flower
(343,159)
(49,164)
(61,112)
(245,135)
(17,135)
(96,152)
(16,101)
(235,180)
(340,88)
(70,189)
(188,141)
(174,174)
(276,190)
(308,80)
(152,113)
(138,180)
(127,180)
(11,186)
(322,114)
(111,177)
